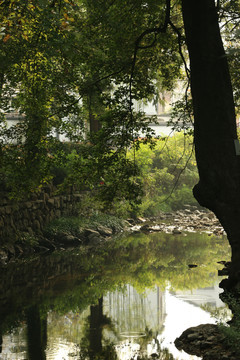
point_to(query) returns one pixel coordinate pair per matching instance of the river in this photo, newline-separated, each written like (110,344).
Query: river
(126,300)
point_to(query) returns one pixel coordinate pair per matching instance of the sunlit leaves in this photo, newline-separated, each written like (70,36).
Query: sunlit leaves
(76,59)
(168,172)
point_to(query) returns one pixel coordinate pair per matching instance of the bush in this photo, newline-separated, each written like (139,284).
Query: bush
(168,173)
(75,225)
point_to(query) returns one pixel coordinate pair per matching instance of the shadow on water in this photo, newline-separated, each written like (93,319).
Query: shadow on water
(128,299)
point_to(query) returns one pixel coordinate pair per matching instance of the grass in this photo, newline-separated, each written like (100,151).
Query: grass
(75,225)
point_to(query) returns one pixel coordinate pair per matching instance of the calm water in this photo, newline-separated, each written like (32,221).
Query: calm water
(127,300)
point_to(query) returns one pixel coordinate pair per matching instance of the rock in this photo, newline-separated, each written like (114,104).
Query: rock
(3,256)
(36,225)
(156,228)
(141,220)
(131,221)
(50,202)
(223,262)
(136,232)
(211,338)
(154,355)
(10,248)
(187,220)
(8,209)
(192,266)
(205,341)
(193,336)
(205,221)
(190,207)
(104,231)
(41,249)
(211,216)
(43,242)
(89,231)
(69,240)
(94,240)
(176,232)
(145,227)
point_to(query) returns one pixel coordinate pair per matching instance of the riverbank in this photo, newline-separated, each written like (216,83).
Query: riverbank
(92,233)
(64,233)
(187,220)
(96,230)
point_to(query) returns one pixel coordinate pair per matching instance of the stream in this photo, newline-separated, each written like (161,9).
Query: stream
(128,299)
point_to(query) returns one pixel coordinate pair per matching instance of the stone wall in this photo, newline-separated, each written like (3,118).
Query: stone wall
(33,214)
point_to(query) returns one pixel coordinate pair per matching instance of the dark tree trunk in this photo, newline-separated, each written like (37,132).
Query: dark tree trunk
(96,324)
(214,119)
(36,334)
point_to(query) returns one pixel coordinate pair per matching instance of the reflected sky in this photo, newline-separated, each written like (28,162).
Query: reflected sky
(128,301)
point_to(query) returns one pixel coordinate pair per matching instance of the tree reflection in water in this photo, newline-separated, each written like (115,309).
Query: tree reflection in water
(72,291)
(36,334)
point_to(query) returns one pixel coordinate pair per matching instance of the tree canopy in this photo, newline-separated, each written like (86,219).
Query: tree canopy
(67,65)
(81,60)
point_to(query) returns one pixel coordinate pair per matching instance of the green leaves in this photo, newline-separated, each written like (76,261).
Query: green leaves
(66,65)
(168,173)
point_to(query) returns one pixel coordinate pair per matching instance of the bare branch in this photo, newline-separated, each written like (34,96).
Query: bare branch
(178,177)
(180,38)
(155,31)
(107,76)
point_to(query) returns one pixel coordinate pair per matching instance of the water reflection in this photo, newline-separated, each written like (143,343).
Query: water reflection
(127,300)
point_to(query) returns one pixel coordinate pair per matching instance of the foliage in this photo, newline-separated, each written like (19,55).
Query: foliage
(65,65)
(229,14)
(150,179)
(168,173)
(81,277)
(54,54)
(31,82)
(27,239)
(232,332)
(75,225)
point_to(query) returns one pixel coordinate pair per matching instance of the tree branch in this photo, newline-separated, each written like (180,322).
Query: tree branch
(180,38)
(94,83)
(155,31)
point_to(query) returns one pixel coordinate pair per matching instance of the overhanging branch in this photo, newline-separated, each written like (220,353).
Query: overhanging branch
(155,31)
(180,38)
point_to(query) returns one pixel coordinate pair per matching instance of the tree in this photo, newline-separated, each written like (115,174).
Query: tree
(114,52)
(56,53)
(215,131)
(33,49)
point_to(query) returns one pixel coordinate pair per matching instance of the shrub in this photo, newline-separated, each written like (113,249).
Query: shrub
(168,172)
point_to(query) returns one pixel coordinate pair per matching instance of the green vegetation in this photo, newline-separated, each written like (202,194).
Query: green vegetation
(232,332)
(75,225)
(168,173)
(140,260)
(65,71)
(162,178)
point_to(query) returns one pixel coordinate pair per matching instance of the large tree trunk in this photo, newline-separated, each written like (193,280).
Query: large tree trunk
(214,119)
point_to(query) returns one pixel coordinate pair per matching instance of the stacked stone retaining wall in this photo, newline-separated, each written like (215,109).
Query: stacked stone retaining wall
(32,215)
